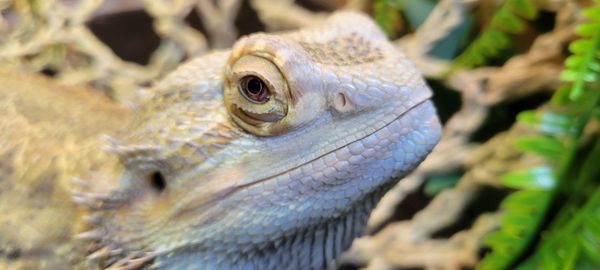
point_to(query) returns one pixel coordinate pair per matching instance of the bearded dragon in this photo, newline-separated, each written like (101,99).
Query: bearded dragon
(269,155)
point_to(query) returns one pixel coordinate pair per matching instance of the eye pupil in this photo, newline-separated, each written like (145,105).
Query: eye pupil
(254,89)
(254,86)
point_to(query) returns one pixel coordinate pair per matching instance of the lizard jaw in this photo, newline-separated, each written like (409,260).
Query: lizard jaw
(228,185)
(303,229)
(257,181)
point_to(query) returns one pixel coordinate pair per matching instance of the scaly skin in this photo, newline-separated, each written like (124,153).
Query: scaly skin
(215,172)
(49,134)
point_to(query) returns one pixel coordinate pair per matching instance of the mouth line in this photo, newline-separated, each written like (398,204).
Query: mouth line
(260,180)
(227,191)
(224,192)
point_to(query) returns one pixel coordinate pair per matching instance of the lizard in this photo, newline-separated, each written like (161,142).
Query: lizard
(267,155)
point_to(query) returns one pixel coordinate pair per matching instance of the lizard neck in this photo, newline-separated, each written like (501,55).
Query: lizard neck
(310,248)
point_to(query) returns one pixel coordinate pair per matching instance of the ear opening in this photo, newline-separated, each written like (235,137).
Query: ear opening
(157,181)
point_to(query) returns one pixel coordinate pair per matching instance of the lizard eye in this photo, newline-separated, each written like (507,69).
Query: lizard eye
(254,89)
(256,93)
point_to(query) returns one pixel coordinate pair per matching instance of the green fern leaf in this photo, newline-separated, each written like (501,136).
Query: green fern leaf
(586,57)
(519,218)
(575,242)
(524,8)
(546,146)
(386,14)
(587,30)
(548,122)
(573,239)
(509,19)
(508,22)
(521,200)
(539,178)
(501,241)
(590,244)
(517,228)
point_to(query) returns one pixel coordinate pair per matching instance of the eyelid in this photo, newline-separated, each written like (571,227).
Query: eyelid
(259,118)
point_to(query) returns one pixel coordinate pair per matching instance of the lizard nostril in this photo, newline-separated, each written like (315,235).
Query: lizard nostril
(157,181)
(341,103)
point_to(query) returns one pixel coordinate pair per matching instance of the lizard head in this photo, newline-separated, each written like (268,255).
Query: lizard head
(268,155)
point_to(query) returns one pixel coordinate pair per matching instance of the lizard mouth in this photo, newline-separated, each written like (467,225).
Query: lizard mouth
(228,190)
(260,180)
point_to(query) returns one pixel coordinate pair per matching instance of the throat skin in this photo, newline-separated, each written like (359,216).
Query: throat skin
(200,176)
(310,248)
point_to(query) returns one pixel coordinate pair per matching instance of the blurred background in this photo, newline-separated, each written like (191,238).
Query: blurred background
(514,180)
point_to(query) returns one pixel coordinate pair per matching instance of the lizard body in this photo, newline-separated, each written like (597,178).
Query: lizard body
(49,133)
(269,155)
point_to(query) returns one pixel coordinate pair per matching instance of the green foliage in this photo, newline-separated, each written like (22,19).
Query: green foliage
(386,14)
(584,65)
(550,123)
(546,146)
(555,210)
(509,19)
(437,183)
(414,13)
(538,178)
(519,224)
(572,240)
